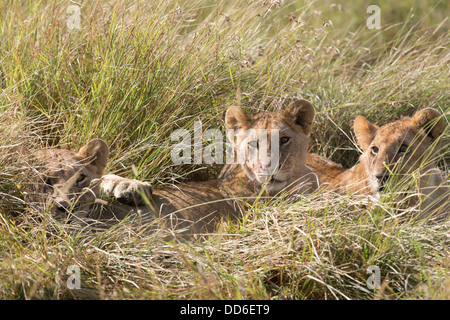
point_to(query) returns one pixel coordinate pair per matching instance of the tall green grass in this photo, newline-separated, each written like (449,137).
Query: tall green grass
(136,70)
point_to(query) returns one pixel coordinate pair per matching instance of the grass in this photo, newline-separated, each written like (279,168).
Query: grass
(136,71)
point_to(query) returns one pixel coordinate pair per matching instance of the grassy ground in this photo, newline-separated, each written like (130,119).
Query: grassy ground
(137,70)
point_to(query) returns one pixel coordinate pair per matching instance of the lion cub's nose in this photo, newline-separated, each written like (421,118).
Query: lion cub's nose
(62,205)
(268,169)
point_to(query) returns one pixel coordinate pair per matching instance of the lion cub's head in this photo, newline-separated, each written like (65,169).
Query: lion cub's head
(399,148)
(271,146)
(64,177)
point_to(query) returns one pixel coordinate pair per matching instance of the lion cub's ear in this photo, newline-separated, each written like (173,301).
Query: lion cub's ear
(95,152)
(236,118)
(365,132)
(431,121)
(302,113)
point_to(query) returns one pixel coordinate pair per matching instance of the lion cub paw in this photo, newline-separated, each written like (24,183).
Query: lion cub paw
(129,191)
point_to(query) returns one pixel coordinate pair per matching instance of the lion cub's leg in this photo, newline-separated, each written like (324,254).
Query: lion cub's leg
(129,191)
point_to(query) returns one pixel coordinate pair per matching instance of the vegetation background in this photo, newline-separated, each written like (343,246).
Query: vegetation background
(137,70)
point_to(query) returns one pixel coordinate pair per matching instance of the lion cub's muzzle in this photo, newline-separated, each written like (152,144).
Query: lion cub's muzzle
(63,207)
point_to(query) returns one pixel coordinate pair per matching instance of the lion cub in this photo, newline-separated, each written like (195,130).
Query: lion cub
(197,207)
(393,154)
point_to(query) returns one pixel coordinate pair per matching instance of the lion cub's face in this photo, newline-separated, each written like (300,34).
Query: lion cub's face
(64,177)
(399,148)
(272,146)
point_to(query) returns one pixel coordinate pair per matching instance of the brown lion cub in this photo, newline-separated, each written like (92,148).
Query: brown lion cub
(401,149)
(197,207)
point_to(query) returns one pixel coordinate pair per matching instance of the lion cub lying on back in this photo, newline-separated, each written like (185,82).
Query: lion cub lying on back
(391,153)
(73,180)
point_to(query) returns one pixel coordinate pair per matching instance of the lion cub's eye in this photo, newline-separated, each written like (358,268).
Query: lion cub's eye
(253,144)
(375,150)
(81,179)
(284,140)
